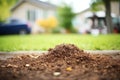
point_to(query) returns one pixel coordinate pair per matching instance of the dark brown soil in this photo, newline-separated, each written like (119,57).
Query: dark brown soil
(64,62)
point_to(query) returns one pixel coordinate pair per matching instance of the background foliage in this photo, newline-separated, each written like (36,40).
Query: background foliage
(48,23)
(65,16)
(5,6)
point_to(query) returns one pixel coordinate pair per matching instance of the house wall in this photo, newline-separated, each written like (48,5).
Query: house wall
(40,12)
(82,24)
(20,12)
(115,8)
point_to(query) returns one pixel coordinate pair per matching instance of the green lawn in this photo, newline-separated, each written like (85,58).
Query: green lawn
(45,41)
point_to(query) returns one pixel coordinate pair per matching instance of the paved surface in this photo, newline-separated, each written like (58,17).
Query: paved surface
(5,55)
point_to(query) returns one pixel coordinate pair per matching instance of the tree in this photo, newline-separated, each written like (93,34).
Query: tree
(65,16)
(107,5)
(5,6)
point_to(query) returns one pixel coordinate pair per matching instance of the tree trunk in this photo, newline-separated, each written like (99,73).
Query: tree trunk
(108,16)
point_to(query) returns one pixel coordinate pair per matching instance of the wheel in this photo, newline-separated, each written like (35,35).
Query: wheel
(22,32)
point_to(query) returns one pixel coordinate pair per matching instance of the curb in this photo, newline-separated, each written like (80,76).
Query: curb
(5,55)
(39,52)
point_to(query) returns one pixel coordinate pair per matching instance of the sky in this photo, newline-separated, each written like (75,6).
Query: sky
(77,5)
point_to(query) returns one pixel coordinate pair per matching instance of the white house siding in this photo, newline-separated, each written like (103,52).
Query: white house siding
(115,8)
(20,12)
(40,12)
(82,23)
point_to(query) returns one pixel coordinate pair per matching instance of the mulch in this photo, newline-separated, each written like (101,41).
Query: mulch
(64,62)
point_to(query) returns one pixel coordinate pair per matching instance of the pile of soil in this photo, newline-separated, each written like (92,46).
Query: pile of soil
(64,62)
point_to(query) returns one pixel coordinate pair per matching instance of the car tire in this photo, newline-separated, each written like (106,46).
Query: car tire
(22,32)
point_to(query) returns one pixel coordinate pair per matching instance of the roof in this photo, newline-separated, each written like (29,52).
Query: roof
(36,3)
(88,9)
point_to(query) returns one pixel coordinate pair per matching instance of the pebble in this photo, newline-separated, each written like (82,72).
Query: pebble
(27,65)
(56,73)
(69,69)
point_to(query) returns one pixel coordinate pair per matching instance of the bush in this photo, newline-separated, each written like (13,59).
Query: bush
(48,23)
(65,15)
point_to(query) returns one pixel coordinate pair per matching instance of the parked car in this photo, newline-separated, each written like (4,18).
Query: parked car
(14,26)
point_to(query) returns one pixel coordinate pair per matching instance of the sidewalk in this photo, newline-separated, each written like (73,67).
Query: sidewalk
(5,55)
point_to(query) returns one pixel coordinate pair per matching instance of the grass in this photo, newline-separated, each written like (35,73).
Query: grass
(46,41)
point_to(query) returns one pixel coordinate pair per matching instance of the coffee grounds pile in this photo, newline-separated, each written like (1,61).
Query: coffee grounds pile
(64,62)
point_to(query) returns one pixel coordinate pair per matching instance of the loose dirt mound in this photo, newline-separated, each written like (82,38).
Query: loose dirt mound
(65,51)
(64,62)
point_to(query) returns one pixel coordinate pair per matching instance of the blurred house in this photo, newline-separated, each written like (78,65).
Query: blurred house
(32,10)
(83,20)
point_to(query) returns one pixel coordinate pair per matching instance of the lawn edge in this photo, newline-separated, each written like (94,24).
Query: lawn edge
(39,52)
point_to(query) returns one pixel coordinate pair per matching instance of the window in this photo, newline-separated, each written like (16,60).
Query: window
(38,14)
(28,15)
(31,15)
(45,14)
